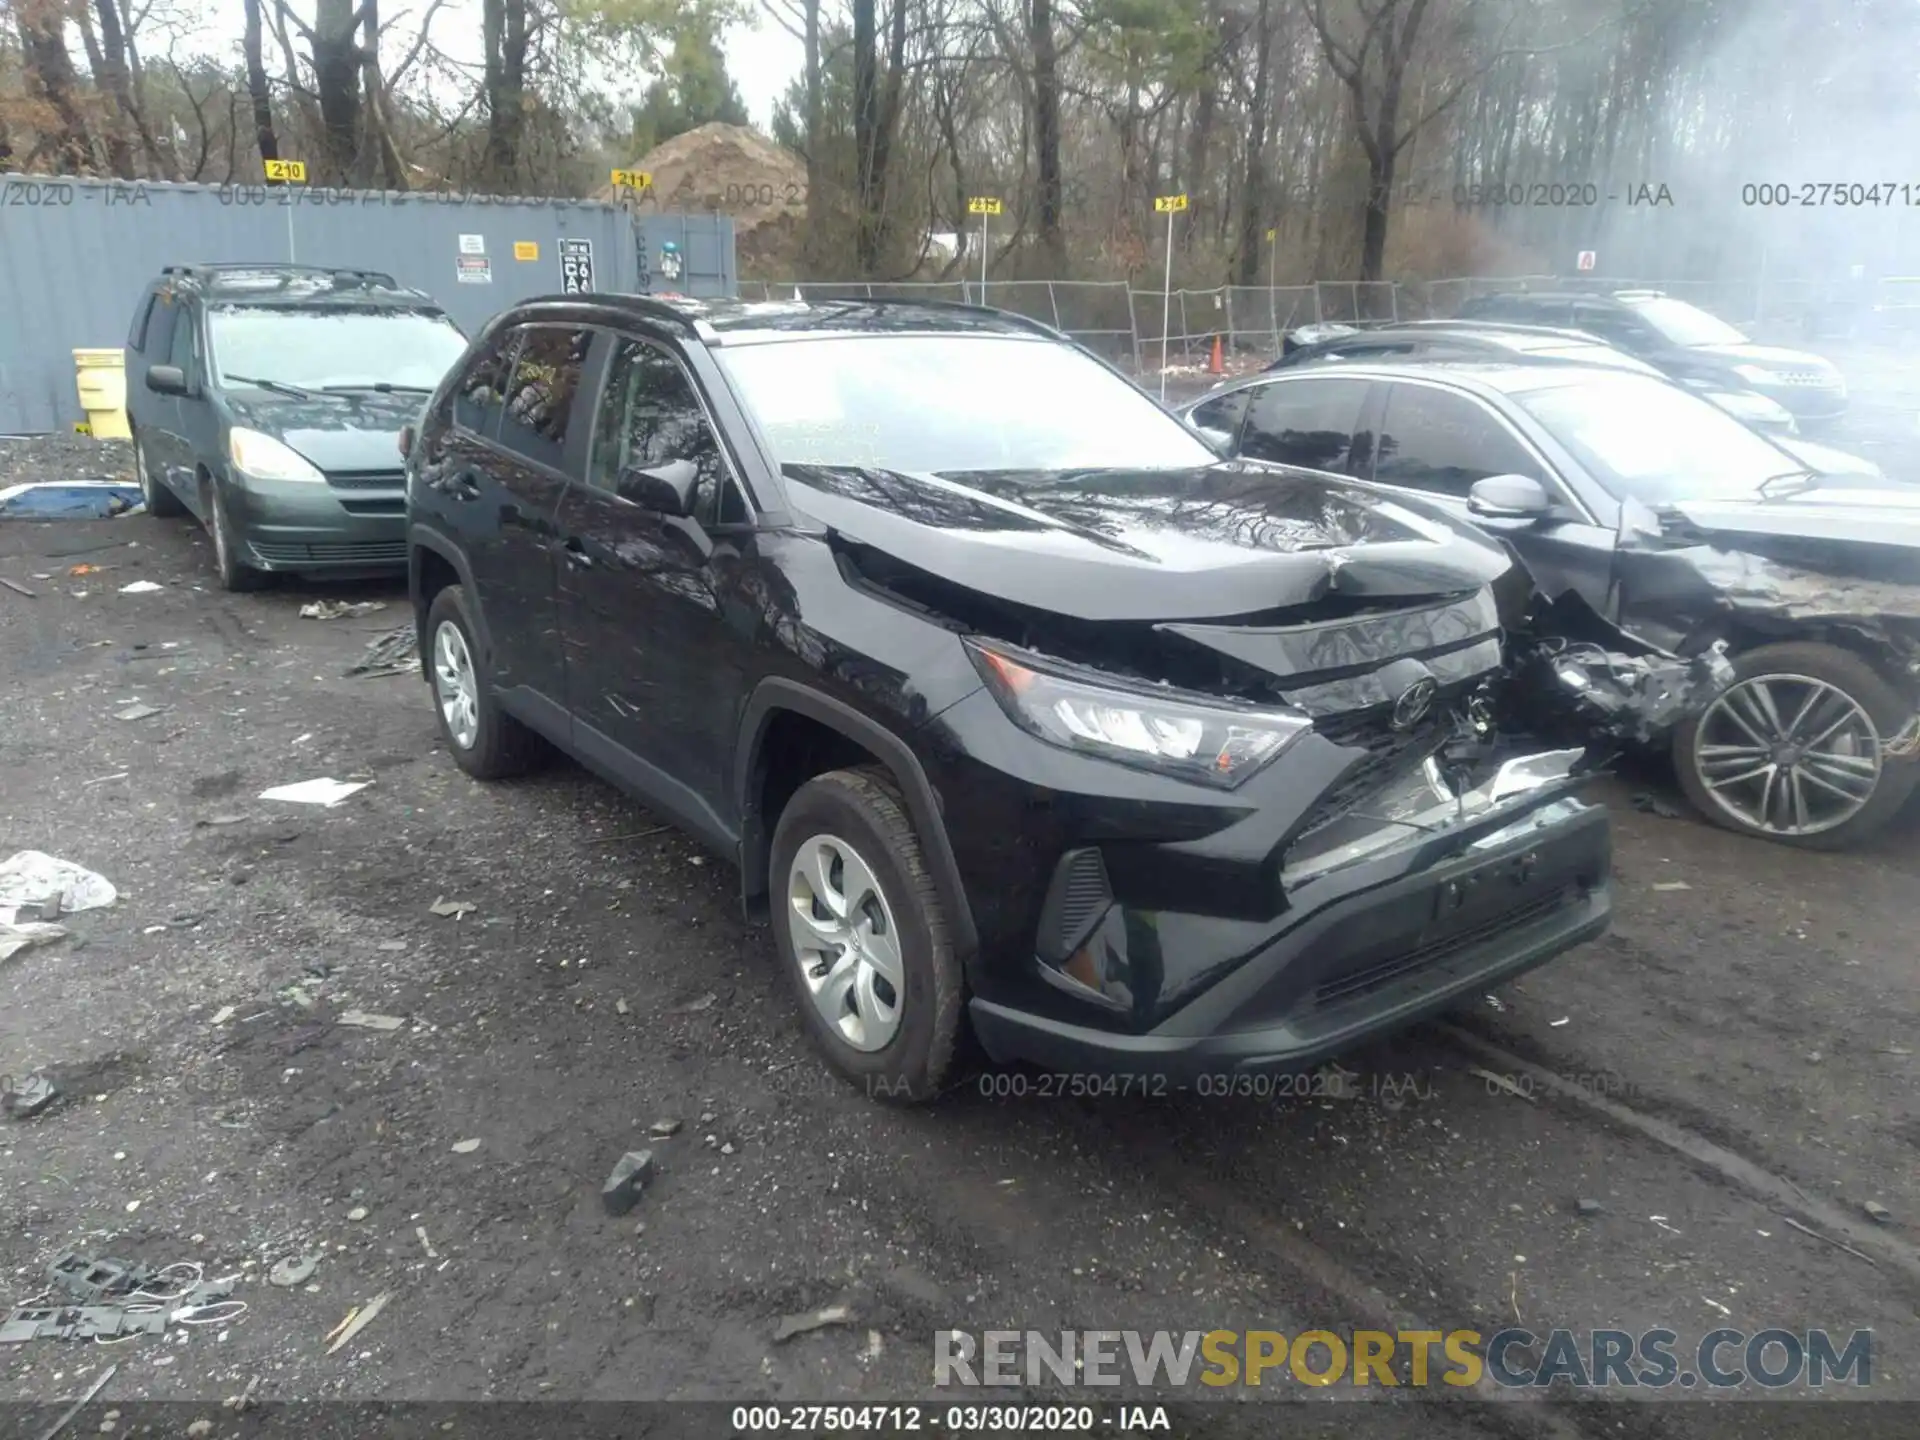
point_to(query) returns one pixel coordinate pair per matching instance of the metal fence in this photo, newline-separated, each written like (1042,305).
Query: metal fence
(1125,323)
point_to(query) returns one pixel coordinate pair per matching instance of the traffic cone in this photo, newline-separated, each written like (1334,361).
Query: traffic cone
(1216,364)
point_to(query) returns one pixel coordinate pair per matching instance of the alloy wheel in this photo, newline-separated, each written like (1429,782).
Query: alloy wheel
(144,465)
(1788,754)
(845,942)
(454,685)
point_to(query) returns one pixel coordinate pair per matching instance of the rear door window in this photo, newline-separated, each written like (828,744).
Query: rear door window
(137,336)
(1443,442)
(159,329)
(483,384)
(538,405)
(1306,422)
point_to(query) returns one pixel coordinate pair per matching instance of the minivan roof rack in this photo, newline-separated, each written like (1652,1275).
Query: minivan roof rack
(284,272)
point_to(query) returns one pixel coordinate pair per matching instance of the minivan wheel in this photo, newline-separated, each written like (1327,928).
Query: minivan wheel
(486,742)
(235,574)
(155,492)
(863,936)
(1793,750)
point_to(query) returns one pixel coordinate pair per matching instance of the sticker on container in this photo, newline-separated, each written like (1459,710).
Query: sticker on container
(473,269)
(526,250)
(576,265)
(473,244)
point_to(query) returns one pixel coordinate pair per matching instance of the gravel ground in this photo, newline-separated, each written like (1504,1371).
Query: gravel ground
(1737,1054)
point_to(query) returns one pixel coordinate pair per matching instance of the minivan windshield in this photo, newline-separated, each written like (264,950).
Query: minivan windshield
(311,349)
(1651,441)
(918,402)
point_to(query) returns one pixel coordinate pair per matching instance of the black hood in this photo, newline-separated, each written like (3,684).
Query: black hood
(1235,538)
(1844,511)
(357,430)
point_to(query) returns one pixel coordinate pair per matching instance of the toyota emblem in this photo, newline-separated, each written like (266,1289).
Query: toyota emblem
(1414,703)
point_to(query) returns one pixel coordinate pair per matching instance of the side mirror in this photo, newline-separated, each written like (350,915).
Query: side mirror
(406,441)
(668,489)
(167,380)
(1509,497)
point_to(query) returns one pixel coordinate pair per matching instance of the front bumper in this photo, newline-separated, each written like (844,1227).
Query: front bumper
(345,525)
(1808,402)
(1385,923)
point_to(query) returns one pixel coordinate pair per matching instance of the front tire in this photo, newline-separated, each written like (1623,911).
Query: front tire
(155,492)
(235,574)
(1793,750)
(863,935)
(486,742)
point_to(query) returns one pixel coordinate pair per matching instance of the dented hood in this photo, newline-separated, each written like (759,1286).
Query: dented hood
(1232,539)
(1847,510)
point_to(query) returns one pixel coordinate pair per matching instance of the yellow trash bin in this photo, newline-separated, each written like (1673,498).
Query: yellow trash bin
(101,376)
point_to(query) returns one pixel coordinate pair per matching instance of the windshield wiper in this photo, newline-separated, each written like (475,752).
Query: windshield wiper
(385,387)
(1792,482)
(279,387)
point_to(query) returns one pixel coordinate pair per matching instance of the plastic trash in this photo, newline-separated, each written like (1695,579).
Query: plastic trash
(29,876)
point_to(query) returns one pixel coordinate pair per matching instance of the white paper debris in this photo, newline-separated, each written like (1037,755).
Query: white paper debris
(140,587)
(324,791)
(29,876)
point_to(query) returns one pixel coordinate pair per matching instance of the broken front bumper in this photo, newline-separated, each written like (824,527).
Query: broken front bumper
(1425,899)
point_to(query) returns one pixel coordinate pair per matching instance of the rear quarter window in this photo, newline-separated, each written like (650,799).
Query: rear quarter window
(142,313)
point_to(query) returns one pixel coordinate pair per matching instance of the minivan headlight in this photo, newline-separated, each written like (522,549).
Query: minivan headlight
(1188,737)
(1755,409)
(266,458)
(1754,374)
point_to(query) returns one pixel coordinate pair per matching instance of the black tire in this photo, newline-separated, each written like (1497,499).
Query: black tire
(501,747)
(1846,672)
(235,574)
(863,807)
(158,495)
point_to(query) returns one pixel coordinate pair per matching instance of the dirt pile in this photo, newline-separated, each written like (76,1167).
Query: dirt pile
(725,170)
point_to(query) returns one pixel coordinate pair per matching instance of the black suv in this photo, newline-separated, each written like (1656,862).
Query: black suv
(1684,342)
(1014,704)
(267,400)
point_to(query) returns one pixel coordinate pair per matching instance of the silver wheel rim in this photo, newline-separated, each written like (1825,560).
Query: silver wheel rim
(454,685)
(845,942)
(148,485)
(220,546)
(1788,754)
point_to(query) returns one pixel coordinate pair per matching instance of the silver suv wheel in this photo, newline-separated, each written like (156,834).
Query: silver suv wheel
(845,942)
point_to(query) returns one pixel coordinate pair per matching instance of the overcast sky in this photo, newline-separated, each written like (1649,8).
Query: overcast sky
(763,58)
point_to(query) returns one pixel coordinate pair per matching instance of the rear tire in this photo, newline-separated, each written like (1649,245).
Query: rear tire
(863,936)
(155,492)
(1789,672)
(486,742)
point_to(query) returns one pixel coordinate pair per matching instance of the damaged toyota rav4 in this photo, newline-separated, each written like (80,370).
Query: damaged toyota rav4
(1017,707)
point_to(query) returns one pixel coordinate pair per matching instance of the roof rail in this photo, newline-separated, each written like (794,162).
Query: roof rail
(286,271)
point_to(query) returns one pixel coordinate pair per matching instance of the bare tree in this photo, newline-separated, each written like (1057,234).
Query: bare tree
(504,30)
(259,97)
(52,83)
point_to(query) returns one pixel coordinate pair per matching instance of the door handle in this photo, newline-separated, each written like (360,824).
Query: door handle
(576,553)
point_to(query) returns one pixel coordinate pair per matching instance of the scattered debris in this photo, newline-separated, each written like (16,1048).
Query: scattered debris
(199,1430)
(452,908)
(395,653)
(792,1325)
(212,820)
(29,878)
(66,1415)
(1828,1239)
(1878,1212)
(1563,1020)
(361,1020)
(141,587)
(620,1007)
(16,587)
(1589,1207)
(17,937)
(1667,885)
(325,791)
(239,1403)
(104,779)
(1661,1221)
(340,609)
(139,712)
(1495,1003)
(68,500)
(357,1214)
(874,1346)
(664,1129)
(25,1098)
(391,945)
(112,1299)
(425,1243)
(1647,803)
(465,1147)
(357,1320)
(1814,1057)
(630,1176)
(694,1007)
(292,1271)
(1709,1300)
(1500,1082)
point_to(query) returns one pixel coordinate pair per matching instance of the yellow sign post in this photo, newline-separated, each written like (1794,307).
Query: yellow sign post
(631,179)
(292,172)
(1169,206)
(983,206)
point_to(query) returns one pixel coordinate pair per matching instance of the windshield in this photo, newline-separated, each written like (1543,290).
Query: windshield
(1648,440)
(1683,324)
(952,403)
(312,349)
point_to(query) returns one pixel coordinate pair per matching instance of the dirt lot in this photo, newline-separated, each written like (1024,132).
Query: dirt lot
(1735,1060)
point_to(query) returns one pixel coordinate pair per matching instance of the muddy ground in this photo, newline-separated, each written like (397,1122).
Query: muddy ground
(1735,1060)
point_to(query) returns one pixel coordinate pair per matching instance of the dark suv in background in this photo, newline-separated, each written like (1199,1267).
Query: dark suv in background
(1683,341)
(267,400)
(1013,702)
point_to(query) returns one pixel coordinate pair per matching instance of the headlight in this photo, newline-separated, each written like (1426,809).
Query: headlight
(1191,738)
(1754,374)
(266,458)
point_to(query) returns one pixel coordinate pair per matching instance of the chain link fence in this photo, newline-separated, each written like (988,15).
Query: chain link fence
(1137,326)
